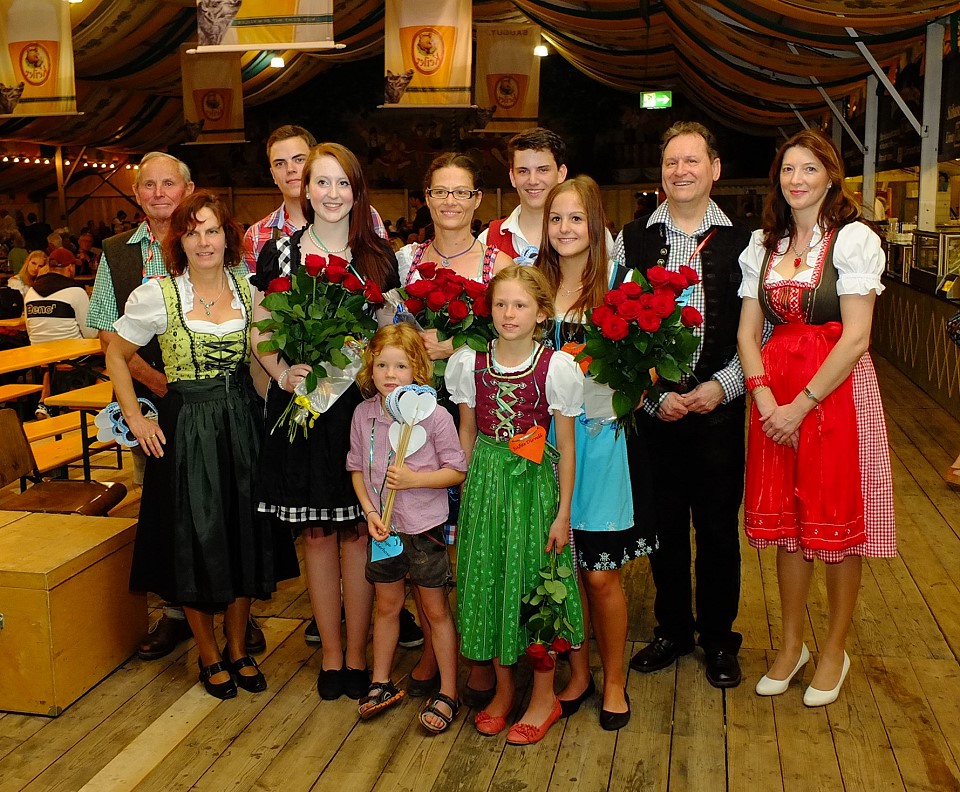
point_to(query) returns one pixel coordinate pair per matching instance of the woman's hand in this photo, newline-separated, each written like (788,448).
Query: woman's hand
(783,424)
(293,376)
(148,434)
(401,478)
(438,350)
(376,528)
(559,536)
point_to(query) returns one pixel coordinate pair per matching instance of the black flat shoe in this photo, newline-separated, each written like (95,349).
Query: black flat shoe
(220,690)
(659,654)
(723,669)
(252,683)
(330,684)
(611,721)
(568,708)
(478,699)
(356,682)
(418,688)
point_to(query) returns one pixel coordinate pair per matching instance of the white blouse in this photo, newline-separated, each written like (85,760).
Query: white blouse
(145,314)
(857,255)
(564,381)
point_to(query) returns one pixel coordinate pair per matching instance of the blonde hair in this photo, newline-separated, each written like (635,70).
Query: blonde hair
(27,275)
(534,283)
(405,337)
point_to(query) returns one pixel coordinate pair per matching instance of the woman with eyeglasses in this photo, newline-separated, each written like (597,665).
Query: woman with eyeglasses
(452,189)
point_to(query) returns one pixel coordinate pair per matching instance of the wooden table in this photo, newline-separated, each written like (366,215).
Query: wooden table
(19,323)
(89,401)
(47,353)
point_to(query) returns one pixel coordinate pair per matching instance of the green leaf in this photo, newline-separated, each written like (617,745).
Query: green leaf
(564,572)
(623,404)
(669,370)
(475,343)
(310,382)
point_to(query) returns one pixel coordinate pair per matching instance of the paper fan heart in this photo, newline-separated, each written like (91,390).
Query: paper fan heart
(414,407)
(418,437)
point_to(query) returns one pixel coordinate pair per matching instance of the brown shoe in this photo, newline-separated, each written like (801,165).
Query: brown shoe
(255,639)
(164,637)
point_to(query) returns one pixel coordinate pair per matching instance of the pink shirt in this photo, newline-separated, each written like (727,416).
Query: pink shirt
(414,510)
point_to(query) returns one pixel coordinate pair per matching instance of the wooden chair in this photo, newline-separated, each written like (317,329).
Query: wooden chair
(66,496)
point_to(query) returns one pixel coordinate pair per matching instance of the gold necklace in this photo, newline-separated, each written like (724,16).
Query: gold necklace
(568,292)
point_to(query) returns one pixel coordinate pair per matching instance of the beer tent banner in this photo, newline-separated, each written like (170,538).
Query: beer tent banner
(213,97)
(428,52)
(508,76)
(242,25)
(36,58)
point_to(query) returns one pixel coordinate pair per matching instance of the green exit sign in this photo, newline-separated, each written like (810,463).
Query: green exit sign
(656,100)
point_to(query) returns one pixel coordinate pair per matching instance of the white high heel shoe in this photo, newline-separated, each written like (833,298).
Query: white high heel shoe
(814,697)
(774,687)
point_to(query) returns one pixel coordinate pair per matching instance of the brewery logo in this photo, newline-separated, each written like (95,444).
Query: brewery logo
(507,92)
(428,50)
(213,105)
(35,63)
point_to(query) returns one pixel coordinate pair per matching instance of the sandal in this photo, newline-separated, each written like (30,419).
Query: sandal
(380,696)
(430,708)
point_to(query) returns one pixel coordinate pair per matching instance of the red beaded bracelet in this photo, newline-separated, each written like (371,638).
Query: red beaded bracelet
(759,381)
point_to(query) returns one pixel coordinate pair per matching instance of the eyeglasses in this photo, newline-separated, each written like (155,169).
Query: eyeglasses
(460,194)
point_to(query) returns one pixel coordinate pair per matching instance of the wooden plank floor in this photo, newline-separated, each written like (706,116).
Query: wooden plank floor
(896,726)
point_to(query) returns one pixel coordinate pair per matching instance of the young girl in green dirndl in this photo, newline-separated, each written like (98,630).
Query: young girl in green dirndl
(515,510)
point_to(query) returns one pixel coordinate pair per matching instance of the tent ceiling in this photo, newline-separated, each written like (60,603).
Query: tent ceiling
(745,62)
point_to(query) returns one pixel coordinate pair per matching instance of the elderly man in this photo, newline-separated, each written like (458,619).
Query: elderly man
(128,260)
(697,426)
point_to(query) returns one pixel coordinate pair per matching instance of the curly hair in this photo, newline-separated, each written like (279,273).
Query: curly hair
(403,336)
(838,207)
(184,220)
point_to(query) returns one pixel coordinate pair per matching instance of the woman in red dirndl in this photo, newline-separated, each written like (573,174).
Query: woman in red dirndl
(818,482)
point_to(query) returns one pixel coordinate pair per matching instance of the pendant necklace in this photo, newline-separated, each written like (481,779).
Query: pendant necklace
(319,243)
(208,305)
(445,260)
(568,292)
(801,253)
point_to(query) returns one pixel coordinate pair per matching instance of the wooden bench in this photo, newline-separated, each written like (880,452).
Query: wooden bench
(57,425)
(93,397)
(56,454)
(17,390)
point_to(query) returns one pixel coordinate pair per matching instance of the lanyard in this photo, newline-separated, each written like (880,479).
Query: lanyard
(377,492)
(701,246)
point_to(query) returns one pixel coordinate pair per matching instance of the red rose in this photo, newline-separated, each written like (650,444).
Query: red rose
(690,274)
(335,273)
(336,261)
(427,270)
(413,304)
(373,293)
(474,289)
(631,289)
(419,288)
(443,275)
(353,284)
(540,659)
(281,284)
(646,300)
(690,316)
(600,315)
(678,281)
(614,298)
(452,289)
(458,310)
(663,303)
(560,644)
(629,310)
(658,276)
(481,306)
(615,328)
(314,264)
(649,321)
(436,300)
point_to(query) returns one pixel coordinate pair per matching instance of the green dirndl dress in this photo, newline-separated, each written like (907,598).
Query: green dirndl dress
(508,505)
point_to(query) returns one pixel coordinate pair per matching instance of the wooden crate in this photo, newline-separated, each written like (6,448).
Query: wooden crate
(68,617)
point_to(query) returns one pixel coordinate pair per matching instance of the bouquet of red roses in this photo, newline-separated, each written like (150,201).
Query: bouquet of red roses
(641,334)
(454,306)
(322,316)
(545,615)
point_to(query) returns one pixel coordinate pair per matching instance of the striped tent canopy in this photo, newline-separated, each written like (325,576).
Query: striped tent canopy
(748,63)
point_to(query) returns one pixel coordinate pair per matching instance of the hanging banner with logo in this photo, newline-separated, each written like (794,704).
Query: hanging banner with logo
(36,58)
(241,25)
(508,76)
(428,52)
(212,97)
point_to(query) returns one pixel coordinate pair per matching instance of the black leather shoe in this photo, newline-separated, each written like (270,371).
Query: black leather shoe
(568,708)
(723,669)
(659,654)
(611,721)
(256,642)
(252,683)
(220,690)
(163,638)
(330,684)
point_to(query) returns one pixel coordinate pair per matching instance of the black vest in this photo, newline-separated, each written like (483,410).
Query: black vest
(126,271)
(647,247)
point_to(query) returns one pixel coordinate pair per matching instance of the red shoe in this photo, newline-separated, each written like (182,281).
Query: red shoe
(490,725)
(528,734)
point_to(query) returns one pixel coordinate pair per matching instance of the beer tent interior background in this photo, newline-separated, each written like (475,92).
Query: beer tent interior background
(732,59)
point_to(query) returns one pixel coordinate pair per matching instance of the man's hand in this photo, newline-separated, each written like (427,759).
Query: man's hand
(672,408)
(704,398)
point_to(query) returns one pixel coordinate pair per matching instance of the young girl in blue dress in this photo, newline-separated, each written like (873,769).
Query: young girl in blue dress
(515,511)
